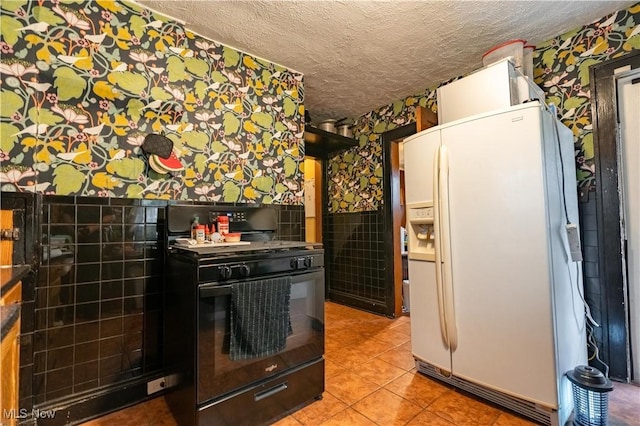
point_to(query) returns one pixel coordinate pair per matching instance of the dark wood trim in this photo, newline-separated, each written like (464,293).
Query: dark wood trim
(605,134)
(388,139)
(397,221)
(354,301)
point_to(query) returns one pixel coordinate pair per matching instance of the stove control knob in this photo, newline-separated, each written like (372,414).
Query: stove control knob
(224,271)
(308,261)
(297,263)
(244,270)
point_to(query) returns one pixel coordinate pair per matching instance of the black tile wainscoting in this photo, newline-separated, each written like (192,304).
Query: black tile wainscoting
(355,259)
(99,297)
(98,309)
(291,223)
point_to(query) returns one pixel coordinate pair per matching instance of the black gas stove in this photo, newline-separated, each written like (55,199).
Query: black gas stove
(225,304)
(219,264)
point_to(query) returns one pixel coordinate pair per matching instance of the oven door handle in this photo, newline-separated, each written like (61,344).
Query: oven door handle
(214,291)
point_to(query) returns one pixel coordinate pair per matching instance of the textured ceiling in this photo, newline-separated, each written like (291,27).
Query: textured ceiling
(360,55)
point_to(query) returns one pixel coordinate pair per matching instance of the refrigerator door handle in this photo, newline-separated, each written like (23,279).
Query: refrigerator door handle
(445,245)
(438,248)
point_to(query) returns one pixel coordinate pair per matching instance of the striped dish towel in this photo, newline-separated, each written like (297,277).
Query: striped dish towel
(260,318)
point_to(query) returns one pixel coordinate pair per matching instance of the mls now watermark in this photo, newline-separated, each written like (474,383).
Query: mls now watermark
(23,413)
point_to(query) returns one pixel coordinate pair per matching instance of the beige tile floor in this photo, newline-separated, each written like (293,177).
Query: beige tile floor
(371,380)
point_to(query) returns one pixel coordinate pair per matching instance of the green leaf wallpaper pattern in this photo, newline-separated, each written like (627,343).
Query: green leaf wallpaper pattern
(561,69)
(83,82)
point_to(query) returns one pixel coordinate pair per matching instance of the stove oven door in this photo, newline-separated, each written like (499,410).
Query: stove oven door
(218,375)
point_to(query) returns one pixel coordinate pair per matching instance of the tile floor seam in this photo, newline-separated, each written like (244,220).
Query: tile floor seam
(439,416)
(367,417)
(422,410)
(350,405)
(412,418)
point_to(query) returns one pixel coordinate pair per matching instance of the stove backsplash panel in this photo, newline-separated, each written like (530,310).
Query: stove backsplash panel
(278,222)
(241,218)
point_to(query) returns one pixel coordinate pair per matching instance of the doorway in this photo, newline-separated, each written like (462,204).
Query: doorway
(393,216)
(394,213)
(619,319)
(628,85)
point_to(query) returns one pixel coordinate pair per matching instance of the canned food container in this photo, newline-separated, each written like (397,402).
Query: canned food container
(223,225)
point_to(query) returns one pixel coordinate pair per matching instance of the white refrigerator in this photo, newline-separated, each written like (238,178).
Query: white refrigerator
(495,297)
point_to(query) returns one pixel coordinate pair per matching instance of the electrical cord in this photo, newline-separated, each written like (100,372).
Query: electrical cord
(596,352)
(591,341)
(587,309)
(552,110)
(564,195)
(575,317)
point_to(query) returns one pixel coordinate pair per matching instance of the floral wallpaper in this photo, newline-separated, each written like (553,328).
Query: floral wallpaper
(83,82)
(561,69)
(355,175)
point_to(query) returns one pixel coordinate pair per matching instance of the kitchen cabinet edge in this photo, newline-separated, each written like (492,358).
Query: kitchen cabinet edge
(11,276)
(320,143)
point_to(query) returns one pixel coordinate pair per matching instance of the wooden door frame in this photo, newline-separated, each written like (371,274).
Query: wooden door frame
(604,109)
(391,197)
(391,200)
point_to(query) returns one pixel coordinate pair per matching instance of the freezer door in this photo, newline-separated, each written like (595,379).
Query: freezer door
(500,255)
(419,152)
(427,340)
